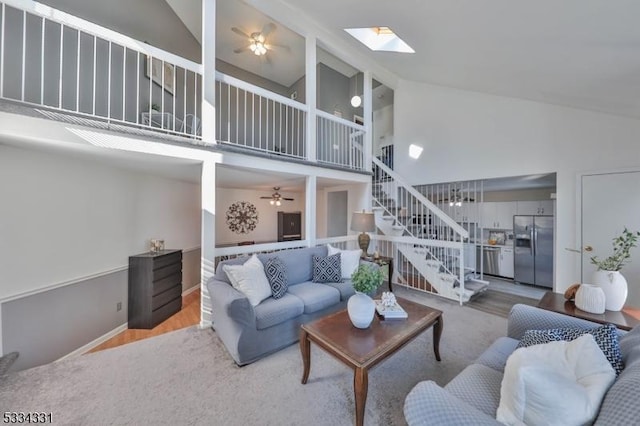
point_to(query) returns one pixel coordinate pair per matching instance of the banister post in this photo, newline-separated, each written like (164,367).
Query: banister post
(209,71)
(310,91)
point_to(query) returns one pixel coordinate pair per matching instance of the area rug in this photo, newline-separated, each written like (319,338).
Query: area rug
(498,303)
(186,377)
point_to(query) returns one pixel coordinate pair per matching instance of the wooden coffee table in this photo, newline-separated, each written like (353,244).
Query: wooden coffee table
(363,349)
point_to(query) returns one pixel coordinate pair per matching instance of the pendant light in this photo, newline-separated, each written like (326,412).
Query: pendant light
(356,101)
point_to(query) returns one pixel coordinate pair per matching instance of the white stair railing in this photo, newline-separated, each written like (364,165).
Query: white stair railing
(435,249)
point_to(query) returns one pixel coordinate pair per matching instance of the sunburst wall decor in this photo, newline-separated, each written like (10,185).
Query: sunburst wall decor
(242,217)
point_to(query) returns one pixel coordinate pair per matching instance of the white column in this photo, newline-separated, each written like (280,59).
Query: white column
(310,90)
(207,237)
(310,210)
(368,119)
(368,124)
(209,71)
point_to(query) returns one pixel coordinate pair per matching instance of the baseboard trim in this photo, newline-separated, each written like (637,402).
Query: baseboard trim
(86,348)
(191,290)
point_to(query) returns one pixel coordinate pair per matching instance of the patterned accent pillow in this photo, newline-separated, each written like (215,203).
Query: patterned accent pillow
(276,272)
(606,337)
(327,269)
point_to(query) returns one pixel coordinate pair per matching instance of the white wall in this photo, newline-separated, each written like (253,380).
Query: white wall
(65,218)
(382,128)
(267,228)
(468,135)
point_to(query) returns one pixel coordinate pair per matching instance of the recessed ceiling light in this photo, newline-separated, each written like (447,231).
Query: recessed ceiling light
(380,39)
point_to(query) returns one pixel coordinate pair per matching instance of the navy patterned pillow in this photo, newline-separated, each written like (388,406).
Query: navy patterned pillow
(327,269)
(606,337)
(276,272)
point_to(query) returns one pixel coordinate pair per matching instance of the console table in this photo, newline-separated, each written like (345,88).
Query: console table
(625,319)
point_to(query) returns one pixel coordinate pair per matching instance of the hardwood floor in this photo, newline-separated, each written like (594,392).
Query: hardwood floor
(188,316)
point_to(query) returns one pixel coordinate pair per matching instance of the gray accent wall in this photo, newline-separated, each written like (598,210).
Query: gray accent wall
(49,325)
(334,92)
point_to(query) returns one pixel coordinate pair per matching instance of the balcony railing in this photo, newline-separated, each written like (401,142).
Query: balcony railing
(57,62)
(339,141)
(51,59)
(255,118)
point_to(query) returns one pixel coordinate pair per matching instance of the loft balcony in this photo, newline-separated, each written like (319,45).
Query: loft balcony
(60,67)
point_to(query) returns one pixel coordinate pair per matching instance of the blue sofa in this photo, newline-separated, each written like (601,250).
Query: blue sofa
(473,396)
(250,333)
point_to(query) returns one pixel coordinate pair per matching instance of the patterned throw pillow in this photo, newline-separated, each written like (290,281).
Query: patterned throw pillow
(606,337)
(327,269)
(276,272)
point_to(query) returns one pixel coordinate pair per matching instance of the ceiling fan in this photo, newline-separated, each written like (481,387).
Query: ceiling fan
(276,198)
(258,43)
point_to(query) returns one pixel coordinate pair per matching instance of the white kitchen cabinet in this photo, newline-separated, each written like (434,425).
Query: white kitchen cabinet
(505,263)
(504,214)
(546,207)
(497,215)
(535,208)
(466,213)
(487,215)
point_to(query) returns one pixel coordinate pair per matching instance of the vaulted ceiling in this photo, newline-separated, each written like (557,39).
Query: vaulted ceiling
(577,53)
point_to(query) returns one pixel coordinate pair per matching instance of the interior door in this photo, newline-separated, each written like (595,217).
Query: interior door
(609,203)
(337,203)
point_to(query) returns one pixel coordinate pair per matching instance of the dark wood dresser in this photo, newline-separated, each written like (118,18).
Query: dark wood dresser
(289,226)
(155,287)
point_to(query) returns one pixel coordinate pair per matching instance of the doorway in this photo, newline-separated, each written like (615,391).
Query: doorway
(337,202)
(610,202)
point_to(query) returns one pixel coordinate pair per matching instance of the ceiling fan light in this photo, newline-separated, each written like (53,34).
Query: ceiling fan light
(253,46)
(356,101)
(278,203)
(272,202)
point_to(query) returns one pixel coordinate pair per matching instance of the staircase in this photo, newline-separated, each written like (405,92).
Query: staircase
(427,244)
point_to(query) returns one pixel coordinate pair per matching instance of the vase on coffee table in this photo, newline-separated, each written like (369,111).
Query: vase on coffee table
(361,309)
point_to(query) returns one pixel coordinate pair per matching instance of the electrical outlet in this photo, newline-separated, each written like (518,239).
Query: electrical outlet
(118,306)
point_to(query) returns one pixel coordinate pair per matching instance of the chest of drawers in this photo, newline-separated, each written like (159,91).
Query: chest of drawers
(155,287)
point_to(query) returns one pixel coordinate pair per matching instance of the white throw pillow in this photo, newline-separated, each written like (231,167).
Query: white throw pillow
(349,260)
(249,279)
(556,383)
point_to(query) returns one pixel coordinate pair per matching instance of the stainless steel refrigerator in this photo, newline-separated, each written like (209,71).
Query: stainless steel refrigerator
(533,250)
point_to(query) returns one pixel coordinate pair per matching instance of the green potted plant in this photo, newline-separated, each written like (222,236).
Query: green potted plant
(608,275)
(360,307)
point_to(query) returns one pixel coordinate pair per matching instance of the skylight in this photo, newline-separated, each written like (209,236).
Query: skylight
(380,39)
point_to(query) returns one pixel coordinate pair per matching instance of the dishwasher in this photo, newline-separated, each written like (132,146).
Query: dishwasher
(490,259)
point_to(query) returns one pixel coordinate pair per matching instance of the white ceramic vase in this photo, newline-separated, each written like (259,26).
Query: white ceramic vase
(361,309)
(590,298)
(614,286)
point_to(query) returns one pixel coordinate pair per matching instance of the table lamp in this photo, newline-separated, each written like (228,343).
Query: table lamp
(363,222)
